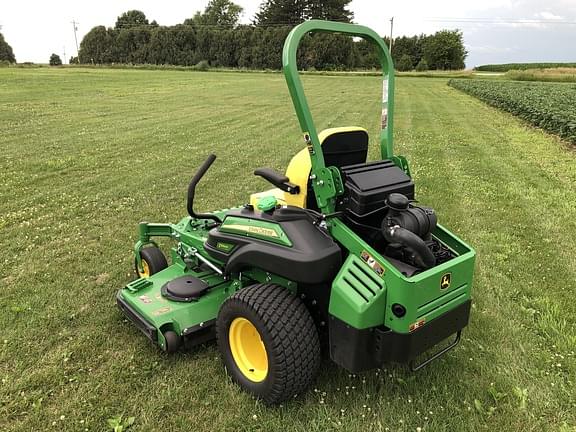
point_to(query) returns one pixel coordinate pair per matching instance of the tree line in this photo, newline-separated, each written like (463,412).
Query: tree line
(215,38)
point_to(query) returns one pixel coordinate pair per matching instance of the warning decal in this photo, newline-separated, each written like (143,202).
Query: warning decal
(372,263)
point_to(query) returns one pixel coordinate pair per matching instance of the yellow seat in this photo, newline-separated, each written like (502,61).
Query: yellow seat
(298,170)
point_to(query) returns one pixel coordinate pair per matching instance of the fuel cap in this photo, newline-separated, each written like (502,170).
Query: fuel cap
(267,203)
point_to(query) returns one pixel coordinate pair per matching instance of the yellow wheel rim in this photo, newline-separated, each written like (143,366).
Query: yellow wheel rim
(145,270)
(248,350)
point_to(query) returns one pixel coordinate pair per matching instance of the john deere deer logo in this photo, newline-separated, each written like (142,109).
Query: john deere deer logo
(445,281)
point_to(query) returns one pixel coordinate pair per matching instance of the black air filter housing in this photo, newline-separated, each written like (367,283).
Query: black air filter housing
(366,187)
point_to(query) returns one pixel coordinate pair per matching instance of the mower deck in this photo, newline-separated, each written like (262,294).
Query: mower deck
(144,303)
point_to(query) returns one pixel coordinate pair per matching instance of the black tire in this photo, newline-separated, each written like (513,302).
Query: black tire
(286,331)
(154,259)
(173,341)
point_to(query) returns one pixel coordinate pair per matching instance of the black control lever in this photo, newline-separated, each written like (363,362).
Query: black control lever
(278,179)
(192,189)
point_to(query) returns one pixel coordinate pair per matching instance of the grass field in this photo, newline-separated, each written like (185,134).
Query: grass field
(86,154)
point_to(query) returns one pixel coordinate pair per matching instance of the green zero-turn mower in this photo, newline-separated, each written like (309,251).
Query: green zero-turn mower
(337,251)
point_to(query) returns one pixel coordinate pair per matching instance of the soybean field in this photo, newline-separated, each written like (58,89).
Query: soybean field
(550,106)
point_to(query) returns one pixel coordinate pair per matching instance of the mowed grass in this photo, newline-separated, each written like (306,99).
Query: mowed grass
(87,154)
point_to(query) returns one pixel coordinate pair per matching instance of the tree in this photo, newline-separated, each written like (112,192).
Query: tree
(162,49)
(97,46)
(132,18)
(218,12)
(445,50)
(184,40)
(326,51)
(333,10)
(194,20)
(225,53)
(55,60)
(422,66)
(405,63)
(411,46)
(73,60)
(6,53)
(131,45)
(368,54)
(292,12)
(287,12)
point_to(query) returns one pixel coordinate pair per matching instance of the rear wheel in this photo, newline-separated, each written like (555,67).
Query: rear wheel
(153,261)
(268,341)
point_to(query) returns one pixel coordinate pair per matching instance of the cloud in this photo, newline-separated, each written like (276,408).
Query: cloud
(548,16)
(523,24)
(490,49)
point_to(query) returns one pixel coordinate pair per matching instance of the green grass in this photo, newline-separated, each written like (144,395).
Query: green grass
(86,154)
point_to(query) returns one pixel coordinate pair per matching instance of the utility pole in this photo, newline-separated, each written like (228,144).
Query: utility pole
(74,23)
(391,27)
(64,59)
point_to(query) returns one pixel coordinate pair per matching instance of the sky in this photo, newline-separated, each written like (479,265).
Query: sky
(495,31)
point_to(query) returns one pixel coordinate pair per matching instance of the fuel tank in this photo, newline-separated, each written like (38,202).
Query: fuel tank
(284,241)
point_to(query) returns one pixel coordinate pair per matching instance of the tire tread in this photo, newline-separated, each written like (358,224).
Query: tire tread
(295,342)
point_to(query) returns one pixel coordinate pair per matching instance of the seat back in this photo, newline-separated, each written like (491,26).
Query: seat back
(341,147)
(344,146)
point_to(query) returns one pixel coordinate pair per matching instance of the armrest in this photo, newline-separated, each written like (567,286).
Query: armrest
(272,176)
(278,179)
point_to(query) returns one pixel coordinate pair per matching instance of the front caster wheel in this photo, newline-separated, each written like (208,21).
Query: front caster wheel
(172,342)
(153,261)
(268,342)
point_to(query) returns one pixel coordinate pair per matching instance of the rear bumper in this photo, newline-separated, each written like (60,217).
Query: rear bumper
(362,349)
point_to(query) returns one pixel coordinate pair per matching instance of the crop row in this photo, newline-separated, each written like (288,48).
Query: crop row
(549,106)
(520,66)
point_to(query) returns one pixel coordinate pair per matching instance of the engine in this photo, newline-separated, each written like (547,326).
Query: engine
(379,204)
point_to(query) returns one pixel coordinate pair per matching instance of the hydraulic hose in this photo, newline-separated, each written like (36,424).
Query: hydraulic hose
(423,257)
(192,189)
